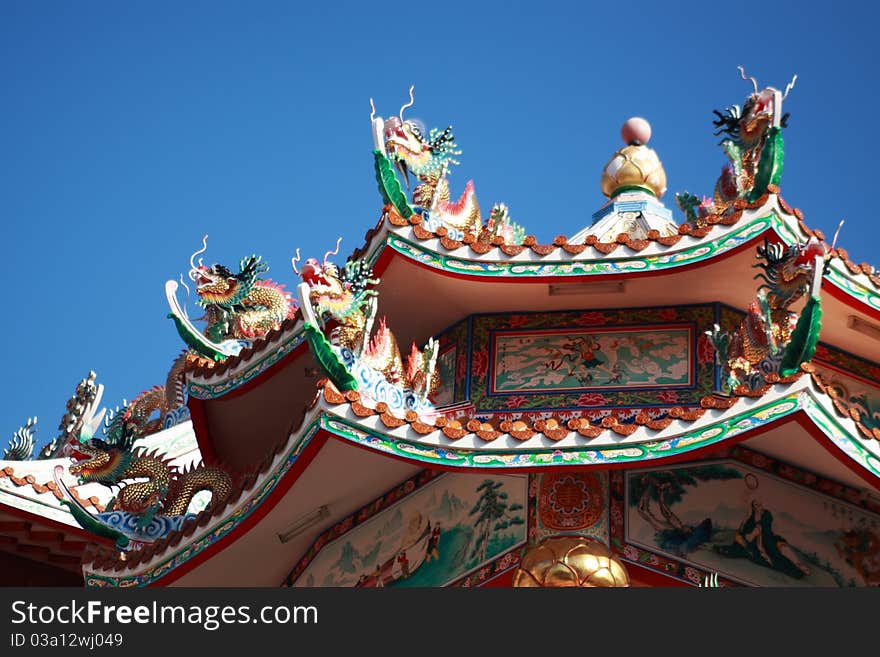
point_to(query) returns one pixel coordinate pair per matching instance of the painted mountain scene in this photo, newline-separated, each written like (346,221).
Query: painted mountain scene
(751,526)
(566,359)
(432,537)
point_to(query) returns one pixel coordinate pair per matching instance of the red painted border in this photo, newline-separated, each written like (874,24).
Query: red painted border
(198,416)
(503,579)
(849,300)
(321,437)
(383,262)
(284,484)
(807,424)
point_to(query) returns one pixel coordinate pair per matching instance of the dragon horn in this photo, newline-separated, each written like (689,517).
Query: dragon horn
(836,232)
(754,82)
(204,248)
(789,87)
(334,252)
(372,110)
(295,259)
(193,267)
(411,102)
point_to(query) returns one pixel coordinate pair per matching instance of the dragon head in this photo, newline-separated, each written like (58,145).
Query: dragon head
(788,270)
(96,460)
(102,460)
(746,126)
(217,285)
(319,275)
(411,151)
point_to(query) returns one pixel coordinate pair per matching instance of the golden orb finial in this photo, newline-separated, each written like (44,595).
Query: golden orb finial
(635,166)
(570,561)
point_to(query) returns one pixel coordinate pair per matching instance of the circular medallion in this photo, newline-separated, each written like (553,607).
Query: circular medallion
(570,501)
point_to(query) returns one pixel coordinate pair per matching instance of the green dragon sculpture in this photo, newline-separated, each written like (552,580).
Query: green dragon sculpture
(401,143)
(152,492)
(239,307)
(344,298)
(754,147)
(772,338)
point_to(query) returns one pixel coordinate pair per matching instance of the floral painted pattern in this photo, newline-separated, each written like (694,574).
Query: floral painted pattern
(701,361)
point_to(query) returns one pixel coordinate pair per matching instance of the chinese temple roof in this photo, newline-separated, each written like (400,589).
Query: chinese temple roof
(275,376)
(517,446)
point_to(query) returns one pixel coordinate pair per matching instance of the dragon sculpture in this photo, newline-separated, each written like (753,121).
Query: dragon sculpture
(402,142)
(772,338)
(149,409)
(153,495)
(752,141)
(344,298)
(239,307)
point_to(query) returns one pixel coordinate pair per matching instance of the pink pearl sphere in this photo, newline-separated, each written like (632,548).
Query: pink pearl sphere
(636,129)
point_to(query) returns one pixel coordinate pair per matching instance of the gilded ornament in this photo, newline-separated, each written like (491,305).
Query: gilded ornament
(571,561)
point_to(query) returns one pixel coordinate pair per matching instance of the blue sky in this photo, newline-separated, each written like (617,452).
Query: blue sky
(130,129)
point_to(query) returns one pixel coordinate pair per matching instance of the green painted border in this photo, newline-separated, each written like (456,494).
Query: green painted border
(495,459)
(853,288)
(585,267)
(186,552)
(615,455)
(575,267)
(574,456)
(832,427)
(212,391)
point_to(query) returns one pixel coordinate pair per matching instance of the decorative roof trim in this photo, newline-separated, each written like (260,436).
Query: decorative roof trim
(445,443)
(105,567)
(530,260)
(548,443)
(29,480)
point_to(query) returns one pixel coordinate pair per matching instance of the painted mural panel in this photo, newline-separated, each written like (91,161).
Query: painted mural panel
(448,527)
(750,526)
(588,359)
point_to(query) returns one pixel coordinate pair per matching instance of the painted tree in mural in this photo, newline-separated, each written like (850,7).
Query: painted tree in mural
(493,514)
(663,489)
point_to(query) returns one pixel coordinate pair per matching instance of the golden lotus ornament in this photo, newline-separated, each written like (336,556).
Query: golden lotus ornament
(570,561)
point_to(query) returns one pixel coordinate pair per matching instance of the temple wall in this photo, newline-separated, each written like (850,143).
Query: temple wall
(750,519)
